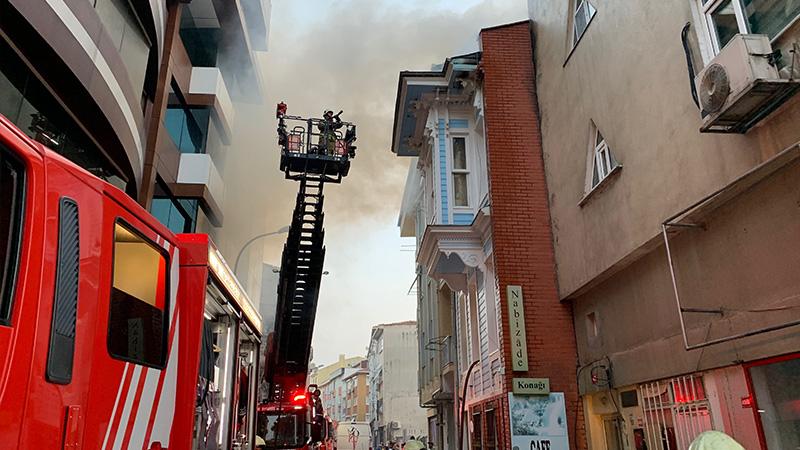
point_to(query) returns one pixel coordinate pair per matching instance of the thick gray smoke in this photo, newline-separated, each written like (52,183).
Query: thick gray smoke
(347,55)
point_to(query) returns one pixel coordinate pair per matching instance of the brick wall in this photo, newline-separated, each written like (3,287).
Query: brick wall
(522,241)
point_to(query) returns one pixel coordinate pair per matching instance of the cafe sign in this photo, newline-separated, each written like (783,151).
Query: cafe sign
(516,326)
(531,386)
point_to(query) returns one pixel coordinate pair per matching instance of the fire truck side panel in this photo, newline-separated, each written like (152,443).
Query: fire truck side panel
(48,401)
(131,405)
(192,291)
(16,337)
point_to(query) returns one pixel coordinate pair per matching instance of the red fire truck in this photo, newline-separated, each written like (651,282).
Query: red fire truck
(115,333)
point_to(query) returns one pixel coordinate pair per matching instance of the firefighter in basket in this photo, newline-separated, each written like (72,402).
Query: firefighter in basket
(327,132)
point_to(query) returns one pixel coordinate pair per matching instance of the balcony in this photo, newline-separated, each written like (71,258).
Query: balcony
(207,87)
(198,178)
(448,358)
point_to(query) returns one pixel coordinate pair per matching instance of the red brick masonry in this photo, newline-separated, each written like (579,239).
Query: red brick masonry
(522,241)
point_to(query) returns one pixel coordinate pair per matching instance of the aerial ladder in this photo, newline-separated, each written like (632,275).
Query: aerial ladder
(314,151)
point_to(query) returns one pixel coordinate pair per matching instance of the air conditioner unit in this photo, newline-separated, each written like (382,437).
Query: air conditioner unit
(741,85)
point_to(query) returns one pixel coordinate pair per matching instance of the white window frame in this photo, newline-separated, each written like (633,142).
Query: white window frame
(601,159)
(708,9)
(588,10)
(466,171)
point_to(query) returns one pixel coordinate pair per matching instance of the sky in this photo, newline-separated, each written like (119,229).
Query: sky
(347,55)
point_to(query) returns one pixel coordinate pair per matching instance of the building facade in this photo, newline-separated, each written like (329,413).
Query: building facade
(394,412)
(476,200)
(151,96)
(676,247)
(341,395)
(356,389)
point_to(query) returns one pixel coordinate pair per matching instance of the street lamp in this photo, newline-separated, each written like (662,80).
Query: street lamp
(282,230)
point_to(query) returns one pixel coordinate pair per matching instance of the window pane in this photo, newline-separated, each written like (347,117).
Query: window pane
(122,26)
(770,17)
(11,183)
(777,395)
(583,14)
(460,189)
(459,153)
(725,25)
(138,299)
(598,139)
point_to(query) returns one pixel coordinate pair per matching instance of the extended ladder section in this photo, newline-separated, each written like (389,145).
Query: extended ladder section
(314,152)
(298,286)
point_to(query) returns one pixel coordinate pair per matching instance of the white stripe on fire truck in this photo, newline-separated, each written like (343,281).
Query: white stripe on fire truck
(116,404)
(165,410)
(145,408)
(126,410)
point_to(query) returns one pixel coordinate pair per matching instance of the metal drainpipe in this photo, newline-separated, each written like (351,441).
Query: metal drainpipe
(463,405)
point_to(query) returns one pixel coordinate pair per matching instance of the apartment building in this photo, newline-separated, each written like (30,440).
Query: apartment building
(319,374)
(356,388)
(476,200)
(670,136)
(339,395)
(152,96)
(394,412)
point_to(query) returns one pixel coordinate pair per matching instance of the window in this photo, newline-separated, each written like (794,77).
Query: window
(177,214)
(126,33)
(137,324)
(460,172)
(591,325)
(603,161)
(12,183)
(726,18)
(584,11)
(491,430)
(476,431)
(30,105)
(777,394)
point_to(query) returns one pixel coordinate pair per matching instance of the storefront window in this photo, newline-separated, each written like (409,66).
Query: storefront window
(777,393)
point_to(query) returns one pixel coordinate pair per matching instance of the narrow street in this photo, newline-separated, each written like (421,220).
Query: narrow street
(399,225)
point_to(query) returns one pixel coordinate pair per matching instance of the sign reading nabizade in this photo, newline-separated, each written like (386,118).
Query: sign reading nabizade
(531,386)
(516,325)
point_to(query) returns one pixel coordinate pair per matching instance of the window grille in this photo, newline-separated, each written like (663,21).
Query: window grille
(675,412)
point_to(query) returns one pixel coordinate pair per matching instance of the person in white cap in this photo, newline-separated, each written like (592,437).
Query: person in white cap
(714,440)
(260,443)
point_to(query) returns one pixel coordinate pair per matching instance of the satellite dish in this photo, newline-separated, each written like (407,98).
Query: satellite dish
(714,88)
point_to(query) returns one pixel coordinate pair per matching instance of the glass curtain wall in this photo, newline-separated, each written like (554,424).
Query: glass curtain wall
(26,102)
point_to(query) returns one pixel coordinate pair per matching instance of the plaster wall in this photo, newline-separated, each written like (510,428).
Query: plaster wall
(400,392)
(745,262)
(634,87)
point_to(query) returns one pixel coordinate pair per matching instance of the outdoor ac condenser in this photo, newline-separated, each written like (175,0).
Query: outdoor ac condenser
(741,85)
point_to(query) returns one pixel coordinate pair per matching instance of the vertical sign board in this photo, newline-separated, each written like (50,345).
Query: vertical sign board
(516,327)
(538,422)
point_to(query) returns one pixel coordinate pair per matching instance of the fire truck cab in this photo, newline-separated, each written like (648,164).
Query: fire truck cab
(114,332)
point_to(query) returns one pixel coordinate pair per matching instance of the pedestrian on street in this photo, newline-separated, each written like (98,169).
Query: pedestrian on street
(715,440)
(414,444)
